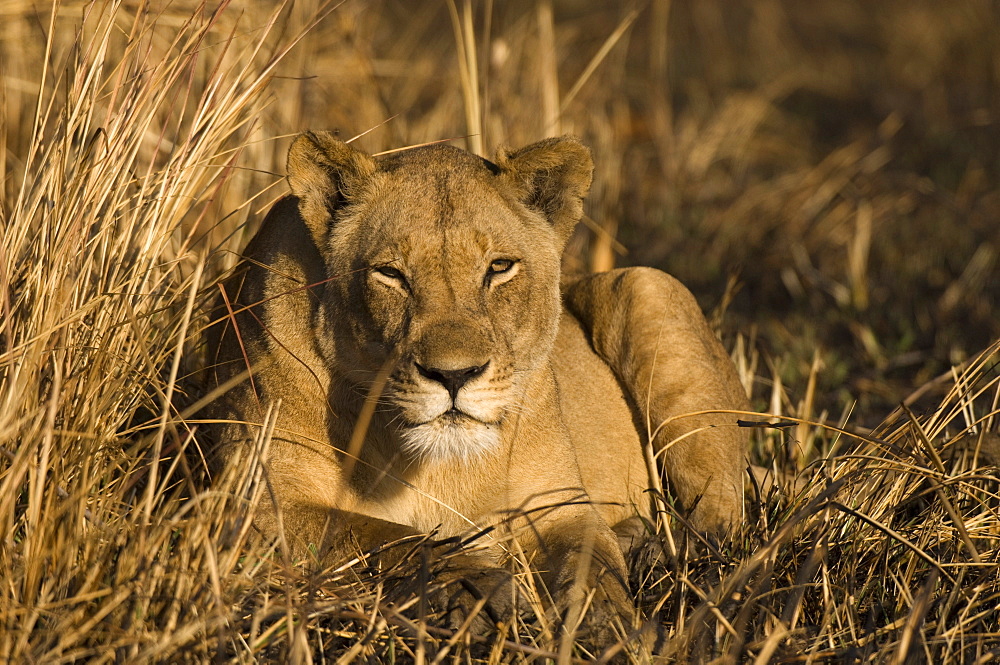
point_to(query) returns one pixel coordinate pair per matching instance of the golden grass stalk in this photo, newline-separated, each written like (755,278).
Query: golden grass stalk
(137,126)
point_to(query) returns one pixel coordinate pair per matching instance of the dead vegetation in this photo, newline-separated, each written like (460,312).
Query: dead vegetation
(839,162)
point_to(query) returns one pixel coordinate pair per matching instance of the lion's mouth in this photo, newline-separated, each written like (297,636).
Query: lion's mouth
(456,414)
(453,434)
(453,416)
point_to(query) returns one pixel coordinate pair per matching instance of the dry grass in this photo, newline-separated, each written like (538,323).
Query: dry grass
(840,162)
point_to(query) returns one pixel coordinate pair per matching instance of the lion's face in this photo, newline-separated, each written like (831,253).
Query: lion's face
(454,285)
(445,275)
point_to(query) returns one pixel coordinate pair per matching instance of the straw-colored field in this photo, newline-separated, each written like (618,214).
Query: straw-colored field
(824,175)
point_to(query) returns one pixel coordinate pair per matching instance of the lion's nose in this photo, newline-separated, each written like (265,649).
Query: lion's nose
(452,379)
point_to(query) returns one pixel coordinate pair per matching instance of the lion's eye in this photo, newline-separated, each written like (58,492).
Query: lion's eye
(500,266)
(390,272)
(389,276)
(500,271)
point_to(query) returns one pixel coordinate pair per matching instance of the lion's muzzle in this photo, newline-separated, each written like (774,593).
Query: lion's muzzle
(452,412)
(452,379)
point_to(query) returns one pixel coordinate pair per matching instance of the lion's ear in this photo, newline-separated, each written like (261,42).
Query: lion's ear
(324,172)
(552,176)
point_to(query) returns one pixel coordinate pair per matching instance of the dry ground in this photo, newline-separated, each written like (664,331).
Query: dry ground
(824,175)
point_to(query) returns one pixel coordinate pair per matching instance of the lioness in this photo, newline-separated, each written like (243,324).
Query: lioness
(436,375)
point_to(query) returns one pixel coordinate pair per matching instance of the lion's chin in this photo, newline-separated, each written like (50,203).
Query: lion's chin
(450,438)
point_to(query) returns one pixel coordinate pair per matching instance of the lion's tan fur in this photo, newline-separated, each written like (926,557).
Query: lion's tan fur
(394,278)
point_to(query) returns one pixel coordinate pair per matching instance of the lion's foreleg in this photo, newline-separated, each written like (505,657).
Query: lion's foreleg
(581,565)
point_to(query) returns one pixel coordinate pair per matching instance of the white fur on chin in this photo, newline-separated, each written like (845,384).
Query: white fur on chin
(445,439)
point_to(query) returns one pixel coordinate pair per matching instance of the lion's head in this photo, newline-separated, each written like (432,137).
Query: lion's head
(444,269)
